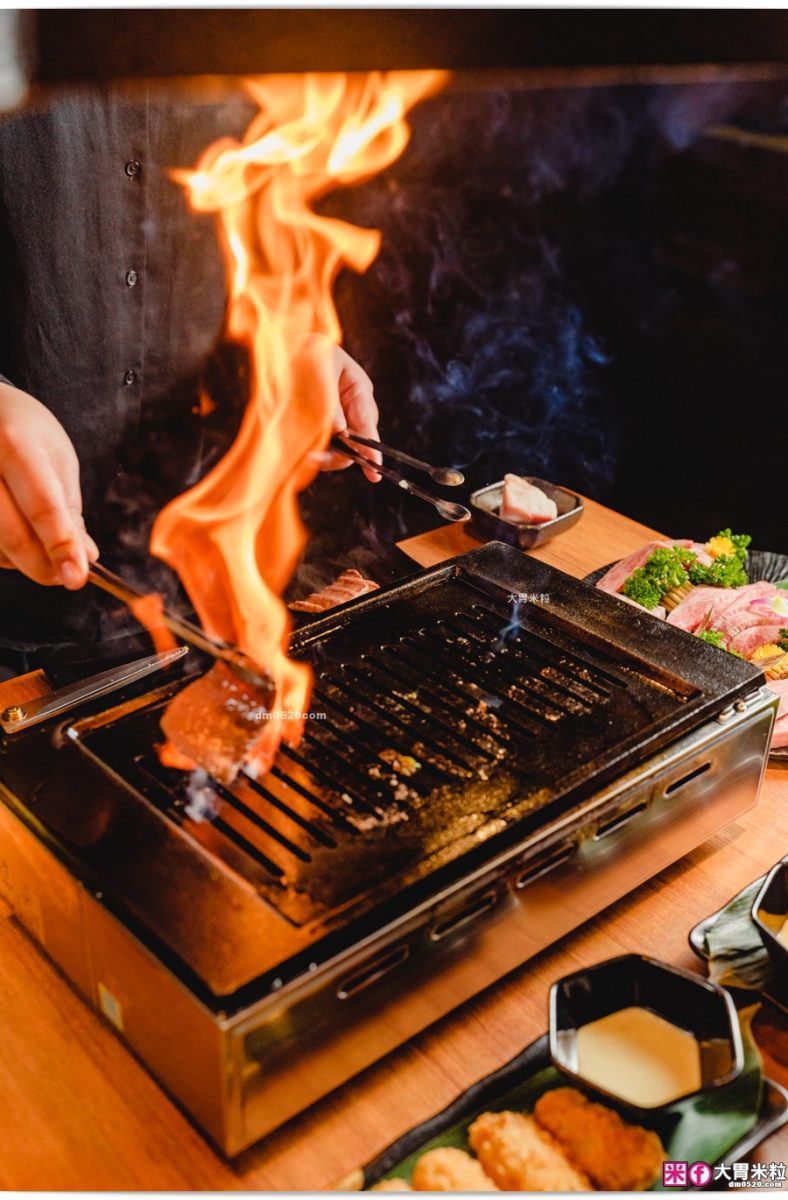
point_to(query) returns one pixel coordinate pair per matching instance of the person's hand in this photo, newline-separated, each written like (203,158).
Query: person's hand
(42,532)
(356,409)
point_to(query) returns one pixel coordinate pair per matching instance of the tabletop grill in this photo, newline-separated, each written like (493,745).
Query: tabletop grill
(504,751)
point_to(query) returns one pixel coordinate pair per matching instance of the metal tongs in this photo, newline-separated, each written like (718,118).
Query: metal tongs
(447,476)
(52,704)
(40,708)
(235,659)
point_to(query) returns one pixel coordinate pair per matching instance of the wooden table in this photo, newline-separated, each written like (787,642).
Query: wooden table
(77,1111)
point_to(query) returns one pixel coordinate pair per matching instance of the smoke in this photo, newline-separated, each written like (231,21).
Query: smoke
(481,349)
(202,802)
(519,275)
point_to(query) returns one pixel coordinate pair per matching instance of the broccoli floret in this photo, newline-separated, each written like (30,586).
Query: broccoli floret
(740,541)
(642,590)
(666,568)
(782,640)
(727,571)
(663,569)
(713,636)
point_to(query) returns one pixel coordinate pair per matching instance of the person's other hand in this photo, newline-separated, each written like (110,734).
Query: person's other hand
(356,409)
(42,532)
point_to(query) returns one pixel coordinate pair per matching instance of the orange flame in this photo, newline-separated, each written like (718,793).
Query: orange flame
(236,537)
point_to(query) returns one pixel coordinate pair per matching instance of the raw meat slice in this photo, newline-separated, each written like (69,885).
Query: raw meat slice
(747,640)
(780,688)
(780,733)
(701,603)
(702,553)
(525,503)
(737,614)
(348,586)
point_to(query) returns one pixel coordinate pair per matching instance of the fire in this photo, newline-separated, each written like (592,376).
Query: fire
(236,537)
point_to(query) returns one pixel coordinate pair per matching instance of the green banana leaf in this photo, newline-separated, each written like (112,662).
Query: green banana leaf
(737,956)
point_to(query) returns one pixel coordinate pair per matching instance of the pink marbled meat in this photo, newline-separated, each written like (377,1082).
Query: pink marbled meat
(747,641)
(728,609)
(780,688)
(702,553)
(780,733)
(614,579)
(702,602)
(348,586)
(738,615)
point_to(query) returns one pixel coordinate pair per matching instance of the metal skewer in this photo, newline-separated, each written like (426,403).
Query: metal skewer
(446,508)
(239,662)
(446,476)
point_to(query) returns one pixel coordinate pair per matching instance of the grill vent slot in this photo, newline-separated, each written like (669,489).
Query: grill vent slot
(373,971)
(476,907)
(679,783)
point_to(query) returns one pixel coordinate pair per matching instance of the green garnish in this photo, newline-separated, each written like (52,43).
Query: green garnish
(740,540)
(669,567)
(727,571)
(663,570)
(782,640)
(716,638)
(713,636)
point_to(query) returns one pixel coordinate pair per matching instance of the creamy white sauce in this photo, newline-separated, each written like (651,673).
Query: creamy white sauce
(782,936)
(639,1056)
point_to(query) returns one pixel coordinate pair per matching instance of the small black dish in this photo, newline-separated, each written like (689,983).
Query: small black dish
(633,980)
(485,510)
(769,914)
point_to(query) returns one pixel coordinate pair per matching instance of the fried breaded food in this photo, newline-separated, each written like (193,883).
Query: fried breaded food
(392,1185)
(447,1169)
(520,1157)
(616,1156)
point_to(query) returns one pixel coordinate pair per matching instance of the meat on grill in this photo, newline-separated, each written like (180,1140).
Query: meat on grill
(348,586)
(215,721)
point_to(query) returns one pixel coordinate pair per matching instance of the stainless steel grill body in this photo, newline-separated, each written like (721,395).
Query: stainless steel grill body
(567,751)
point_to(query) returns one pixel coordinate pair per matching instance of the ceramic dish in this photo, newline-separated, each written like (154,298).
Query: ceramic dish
(682,999)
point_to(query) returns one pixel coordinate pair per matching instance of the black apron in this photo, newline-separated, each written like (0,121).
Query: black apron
(111,309)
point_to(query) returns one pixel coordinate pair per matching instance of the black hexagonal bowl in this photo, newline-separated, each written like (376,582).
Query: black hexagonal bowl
(681,997)
(769,914)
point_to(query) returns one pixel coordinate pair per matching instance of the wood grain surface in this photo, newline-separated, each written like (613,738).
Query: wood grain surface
(78,1111)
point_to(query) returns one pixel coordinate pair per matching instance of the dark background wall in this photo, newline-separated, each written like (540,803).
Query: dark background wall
(586,284)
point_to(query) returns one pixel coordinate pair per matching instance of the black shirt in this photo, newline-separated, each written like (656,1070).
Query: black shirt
(111,309)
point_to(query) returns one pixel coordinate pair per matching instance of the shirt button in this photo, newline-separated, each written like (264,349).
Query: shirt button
(129,378)
(131,278)
(132,168)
